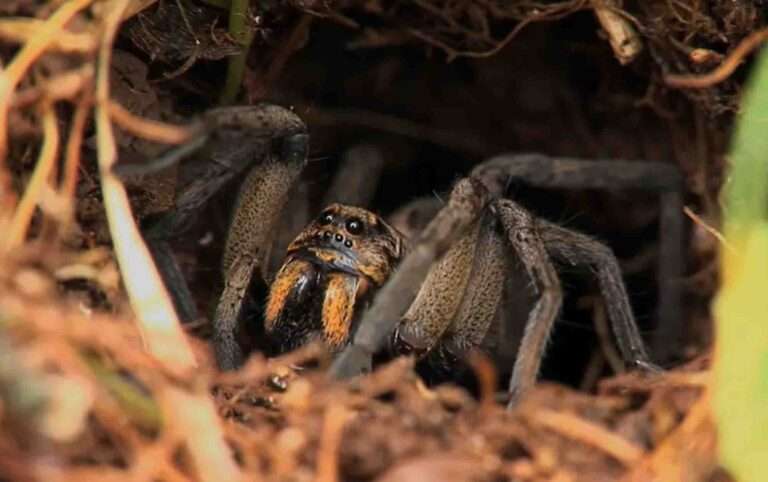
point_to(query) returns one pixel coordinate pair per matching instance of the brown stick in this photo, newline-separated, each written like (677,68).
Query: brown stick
(149,298)
(41,175)
(21,30)
(621,34)
(147,128)
(74,142)
(688,454)
(588,433)
(725,69)
(10,78)
(328,454)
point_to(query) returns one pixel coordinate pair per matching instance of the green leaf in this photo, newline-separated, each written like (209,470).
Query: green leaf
(741,364)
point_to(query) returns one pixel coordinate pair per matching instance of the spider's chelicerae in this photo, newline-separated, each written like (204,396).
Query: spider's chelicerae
(360,285)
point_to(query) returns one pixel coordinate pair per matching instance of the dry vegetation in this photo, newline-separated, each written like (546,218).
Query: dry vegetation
(98,381)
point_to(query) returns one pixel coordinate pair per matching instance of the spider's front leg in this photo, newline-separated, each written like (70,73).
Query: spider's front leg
(266,144)
(257,211)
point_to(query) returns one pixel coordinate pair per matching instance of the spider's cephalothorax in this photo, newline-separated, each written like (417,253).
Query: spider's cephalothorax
(330,271)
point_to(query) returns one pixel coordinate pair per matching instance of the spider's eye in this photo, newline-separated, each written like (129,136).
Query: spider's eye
(326,218)
(354,226)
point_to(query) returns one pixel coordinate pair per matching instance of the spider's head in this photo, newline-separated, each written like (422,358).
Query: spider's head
(330,268)
(351,240)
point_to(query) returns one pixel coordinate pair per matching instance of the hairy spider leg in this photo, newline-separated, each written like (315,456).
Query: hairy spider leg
(483,296)
(664,178)
(257,210)
(579,249)
(521,231)
(218,158)
(439,297)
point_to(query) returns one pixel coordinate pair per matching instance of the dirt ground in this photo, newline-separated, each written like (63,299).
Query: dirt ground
(439,86)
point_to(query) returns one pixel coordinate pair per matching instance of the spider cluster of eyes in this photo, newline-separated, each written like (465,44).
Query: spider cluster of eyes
(353,226)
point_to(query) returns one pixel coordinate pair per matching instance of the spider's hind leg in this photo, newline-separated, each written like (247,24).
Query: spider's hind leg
(521,230)
(579,249)
(662,178)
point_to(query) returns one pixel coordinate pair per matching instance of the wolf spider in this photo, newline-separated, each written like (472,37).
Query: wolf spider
(355,282)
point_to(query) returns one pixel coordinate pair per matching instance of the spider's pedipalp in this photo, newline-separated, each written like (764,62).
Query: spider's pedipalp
(579,249)
(521,230)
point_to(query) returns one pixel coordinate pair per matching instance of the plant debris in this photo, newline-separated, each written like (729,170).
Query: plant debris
(283,425)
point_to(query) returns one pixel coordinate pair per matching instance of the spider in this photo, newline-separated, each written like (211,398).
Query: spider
(359,285)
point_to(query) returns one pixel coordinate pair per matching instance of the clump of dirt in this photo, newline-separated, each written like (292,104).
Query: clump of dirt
(93,404)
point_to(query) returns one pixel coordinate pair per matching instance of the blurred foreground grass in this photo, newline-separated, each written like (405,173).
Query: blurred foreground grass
(741,307)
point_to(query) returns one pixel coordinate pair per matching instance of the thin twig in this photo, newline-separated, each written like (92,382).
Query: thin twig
(725,69)
(157,319)
(487,379)
(243,35)
(72,159)
(12,75)
(589,433)
(708,228)
(621,34)
(551,14)
(40,176)
(688,453)
(336,417)
(59,87)
(137,6)
(21,30)
(148,128)
(194,418)
(630,382)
